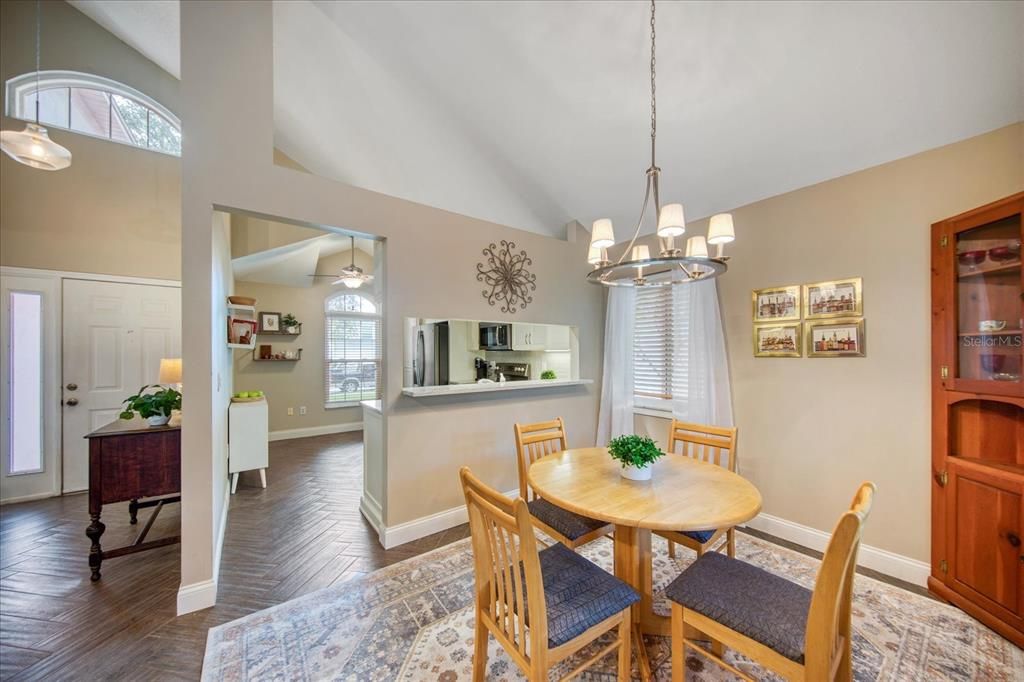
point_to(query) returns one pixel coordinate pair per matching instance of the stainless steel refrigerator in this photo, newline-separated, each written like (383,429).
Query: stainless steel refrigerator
(430,354)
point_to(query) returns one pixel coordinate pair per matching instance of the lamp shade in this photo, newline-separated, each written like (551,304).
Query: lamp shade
(594,255)
(671,221)
(33,147)
(601,234)
(641,252)
(720,229)
(696,247)
(170,371)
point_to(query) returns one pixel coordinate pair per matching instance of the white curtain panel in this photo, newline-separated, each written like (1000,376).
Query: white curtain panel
(616,415)
(701,393)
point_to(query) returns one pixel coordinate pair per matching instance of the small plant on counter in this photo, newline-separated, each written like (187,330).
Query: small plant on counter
(635,454)
(290,324)
(548,374)
(154,407)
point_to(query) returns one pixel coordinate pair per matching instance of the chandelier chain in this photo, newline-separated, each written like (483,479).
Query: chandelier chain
(654,100)
(39,31)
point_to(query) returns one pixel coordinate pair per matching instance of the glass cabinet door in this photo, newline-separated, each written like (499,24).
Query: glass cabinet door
(988,299)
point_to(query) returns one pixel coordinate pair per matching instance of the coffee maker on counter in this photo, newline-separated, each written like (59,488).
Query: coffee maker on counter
(485,369)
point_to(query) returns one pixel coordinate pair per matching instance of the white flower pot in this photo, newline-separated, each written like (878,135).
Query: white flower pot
(292,330)
(635,474)
(158,420)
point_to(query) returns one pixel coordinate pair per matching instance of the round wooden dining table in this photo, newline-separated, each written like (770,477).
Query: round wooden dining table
(683,494)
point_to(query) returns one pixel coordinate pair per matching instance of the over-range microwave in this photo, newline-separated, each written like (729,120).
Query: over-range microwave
(495,336)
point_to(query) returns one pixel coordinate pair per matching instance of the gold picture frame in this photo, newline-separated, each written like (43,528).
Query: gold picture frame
(836,338)
(776,304)
(777,340)
(835,298)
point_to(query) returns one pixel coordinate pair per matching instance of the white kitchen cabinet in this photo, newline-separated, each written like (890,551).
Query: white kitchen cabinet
(557,337)
(248,440)
(528,336)
(472,335)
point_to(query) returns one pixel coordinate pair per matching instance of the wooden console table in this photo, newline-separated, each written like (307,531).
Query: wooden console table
(128,462)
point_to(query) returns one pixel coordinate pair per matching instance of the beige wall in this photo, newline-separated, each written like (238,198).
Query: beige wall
(293,384)
(117,209)
(811,429)
(429,259)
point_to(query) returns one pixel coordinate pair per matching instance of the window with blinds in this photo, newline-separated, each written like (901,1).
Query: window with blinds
(352,349)
(660,347)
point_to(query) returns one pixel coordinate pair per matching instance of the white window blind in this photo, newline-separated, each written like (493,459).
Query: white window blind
(352,349)
(660,346)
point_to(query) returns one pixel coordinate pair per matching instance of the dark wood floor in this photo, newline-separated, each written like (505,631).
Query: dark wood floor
(303,533)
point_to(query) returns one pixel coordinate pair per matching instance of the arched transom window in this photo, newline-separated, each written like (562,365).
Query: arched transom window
(352,349)
(96,106)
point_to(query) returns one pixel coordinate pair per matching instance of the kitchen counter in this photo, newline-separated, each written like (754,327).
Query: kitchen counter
(459,389)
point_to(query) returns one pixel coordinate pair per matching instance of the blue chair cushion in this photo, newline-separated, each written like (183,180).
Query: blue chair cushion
(748,599)
(569,524)
(700,536)
(579,593)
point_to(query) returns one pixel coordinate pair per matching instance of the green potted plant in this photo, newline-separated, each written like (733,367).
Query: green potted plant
(548,374)
(290,324)
(636,454)
(154,407)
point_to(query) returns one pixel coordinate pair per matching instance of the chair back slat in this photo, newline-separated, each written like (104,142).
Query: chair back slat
(534,441)
(828,621)
(712,444)
(506,565)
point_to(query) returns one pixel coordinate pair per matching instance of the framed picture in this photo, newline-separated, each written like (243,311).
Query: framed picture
(241,331)
(835,339)
(270,322)
(777,341)
(840,298)
(777,304)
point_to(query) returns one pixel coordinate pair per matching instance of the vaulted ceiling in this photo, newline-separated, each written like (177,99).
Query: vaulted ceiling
(532,114)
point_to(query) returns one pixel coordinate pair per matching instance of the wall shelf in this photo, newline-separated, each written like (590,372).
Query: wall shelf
(257,358)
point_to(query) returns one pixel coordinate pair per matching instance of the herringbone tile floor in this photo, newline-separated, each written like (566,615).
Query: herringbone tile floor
(303,533)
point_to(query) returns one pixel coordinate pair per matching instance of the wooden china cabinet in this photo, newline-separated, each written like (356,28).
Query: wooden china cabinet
(978,415)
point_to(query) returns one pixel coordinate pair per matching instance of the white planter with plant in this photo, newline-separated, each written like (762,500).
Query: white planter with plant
(290,324)
(636,454)
(155,407)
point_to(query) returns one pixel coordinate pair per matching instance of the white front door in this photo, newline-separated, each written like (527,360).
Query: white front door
(29,380)
(114,337)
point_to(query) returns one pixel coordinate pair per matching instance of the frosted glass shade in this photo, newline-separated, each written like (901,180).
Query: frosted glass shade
(601,234)
(170,371)
(696,247)
(351,282)
(594,255)
(33,147)
(671,221)
(720,230)
(641,252)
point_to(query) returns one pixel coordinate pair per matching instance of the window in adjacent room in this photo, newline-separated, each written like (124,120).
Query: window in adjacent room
(352,349)
(96,106)
(660,345)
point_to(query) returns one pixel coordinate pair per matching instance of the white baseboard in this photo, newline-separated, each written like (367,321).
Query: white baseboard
(203,595)
(371,511)
(28,498)
(881,560)
(392,536)
(288,434)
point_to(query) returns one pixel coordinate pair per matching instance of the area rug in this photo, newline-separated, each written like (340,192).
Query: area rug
(414,621)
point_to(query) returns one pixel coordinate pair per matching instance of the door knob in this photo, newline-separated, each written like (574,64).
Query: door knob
(71,402)
(72,387)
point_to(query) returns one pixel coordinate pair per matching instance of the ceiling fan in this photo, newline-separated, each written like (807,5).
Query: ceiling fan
(351,275)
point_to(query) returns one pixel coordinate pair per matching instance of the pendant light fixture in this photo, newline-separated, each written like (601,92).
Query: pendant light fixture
(671,265)
(352,275)
(33,146)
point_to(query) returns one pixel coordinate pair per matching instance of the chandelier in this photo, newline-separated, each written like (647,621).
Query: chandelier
(33,146)
(672,265)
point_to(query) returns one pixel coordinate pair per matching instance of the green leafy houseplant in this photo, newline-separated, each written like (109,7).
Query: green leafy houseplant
(636,454)
(288,320)
(155,406)
(548,374)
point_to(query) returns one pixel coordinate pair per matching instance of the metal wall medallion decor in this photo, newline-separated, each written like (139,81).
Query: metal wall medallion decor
(506,274)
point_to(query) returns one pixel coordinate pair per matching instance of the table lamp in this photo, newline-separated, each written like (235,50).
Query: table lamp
(170,372)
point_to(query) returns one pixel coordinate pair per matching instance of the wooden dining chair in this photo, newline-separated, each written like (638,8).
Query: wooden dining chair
(716,445)
(544,606)
(534,441)
(798,633)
